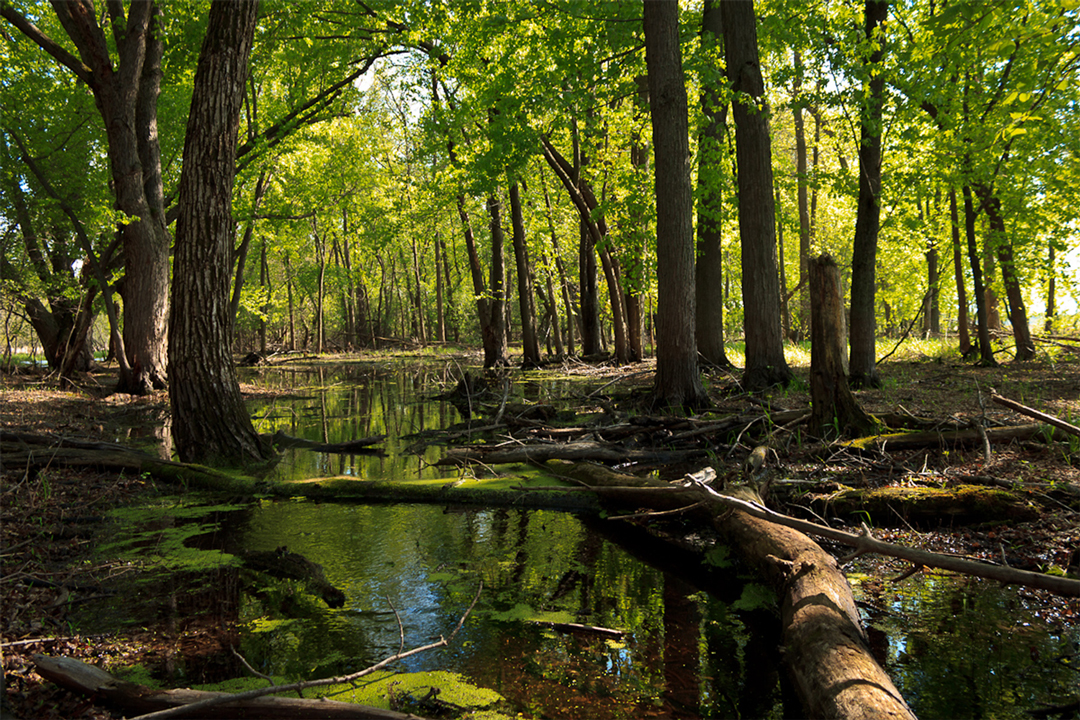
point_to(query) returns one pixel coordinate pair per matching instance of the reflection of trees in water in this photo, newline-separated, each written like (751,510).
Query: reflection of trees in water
(959,647)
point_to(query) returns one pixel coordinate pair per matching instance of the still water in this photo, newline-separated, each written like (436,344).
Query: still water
(696,642)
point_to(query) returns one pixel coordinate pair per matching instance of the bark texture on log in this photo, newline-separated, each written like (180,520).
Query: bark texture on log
(825,648)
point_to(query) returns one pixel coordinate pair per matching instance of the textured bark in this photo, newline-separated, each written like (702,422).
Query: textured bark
(804,207)
(834,409)
(765,362)
(494,328)
(863,329)
(709,269)
(526,301)
(476,273)
(210,423)
(986,352)
(958,270)
(678,381)
(1000,242)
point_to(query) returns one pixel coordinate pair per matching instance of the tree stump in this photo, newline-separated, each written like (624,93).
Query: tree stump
(834,409)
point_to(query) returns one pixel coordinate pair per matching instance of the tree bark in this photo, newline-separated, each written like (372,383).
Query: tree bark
(678,380)
(495,347)
(958,270)
(709,269)
(986,352)
(765,362)
(526,302)
(1000,242)
(804,208)
(834,409)
(210,423)
(863,329)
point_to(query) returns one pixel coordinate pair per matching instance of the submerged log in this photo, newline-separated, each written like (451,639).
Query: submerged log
(358,446)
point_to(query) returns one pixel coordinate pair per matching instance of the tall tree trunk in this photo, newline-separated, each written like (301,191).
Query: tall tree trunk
(483,303)
(999,239)
(986,352)
(785,313)
(678,380)
(320,284)
(240,254)
(526,303)
(709,270)
(863,328)
(930,310)
(1051,289)
(804,209)
(765,362)
(568,303)
(209,421)
(958,269)
(292,302)
(495,350)
(418,299)
(264,283)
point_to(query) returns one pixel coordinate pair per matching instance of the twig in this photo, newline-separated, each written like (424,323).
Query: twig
(342,680)
(250,669)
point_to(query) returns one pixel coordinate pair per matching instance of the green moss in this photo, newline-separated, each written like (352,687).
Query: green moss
(380,689)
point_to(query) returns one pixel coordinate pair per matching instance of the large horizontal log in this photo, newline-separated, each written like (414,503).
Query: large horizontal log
(933,439)
(92,681)
(592,451)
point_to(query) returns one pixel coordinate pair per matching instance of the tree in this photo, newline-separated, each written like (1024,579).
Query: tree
(765,362)
(126,90)
(678,381)
(210,423)
(863,328)
(526,303)
(709,269)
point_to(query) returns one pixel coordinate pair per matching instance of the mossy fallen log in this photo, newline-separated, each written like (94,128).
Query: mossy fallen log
(927,506)
(94,682)
(951,438)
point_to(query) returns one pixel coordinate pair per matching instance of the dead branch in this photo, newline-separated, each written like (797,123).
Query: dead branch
(1032,413)
(865,542)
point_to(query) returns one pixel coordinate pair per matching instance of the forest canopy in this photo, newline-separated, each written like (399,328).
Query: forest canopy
(473,171)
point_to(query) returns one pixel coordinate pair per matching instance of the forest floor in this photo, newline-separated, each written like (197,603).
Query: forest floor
(48,519)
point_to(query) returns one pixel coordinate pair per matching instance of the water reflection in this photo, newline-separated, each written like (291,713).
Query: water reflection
(350,403)
(959,646)
(682,654)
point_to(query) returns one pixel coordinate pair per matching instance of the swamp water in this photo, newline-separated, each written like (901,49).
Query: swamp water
(695,643)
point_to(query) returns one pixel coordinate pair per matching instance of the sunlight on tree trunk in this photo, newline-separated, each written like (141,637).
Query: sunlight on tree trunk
(210,423)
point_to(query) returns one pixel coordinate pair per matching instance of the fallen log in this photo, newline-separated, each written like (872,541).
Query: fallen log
(593,451)
(360,445)
(92,681)
(826,651)
(636,493)
(918,440)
